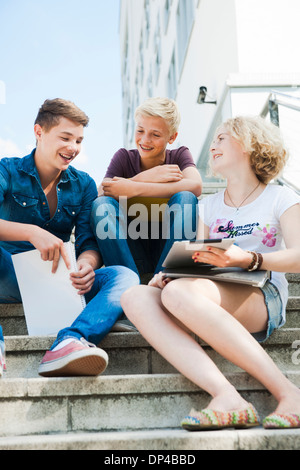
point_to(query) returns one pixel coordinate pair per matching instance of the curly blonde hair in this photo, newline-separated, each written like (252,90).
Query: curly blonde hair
(263,141)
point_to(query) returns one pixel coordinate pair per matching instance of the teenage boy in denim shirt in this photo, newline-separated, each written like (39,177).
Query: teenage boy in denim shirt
(42,198)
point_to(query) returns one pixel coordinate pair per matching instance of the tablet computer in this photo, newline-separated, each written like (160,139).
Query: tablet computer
(180,254)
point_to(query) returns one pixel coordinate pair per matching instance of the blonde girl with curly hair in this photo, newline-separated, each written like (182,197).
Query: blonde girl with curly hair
(264,220)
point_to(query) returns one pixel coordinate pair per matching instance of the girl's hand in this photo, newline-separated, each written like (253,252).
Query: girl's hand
(233,257)
(159,281)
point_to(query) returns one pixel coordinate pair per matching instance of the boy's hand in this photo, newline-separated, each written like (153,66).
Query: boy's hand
(50,247)
(117,187)
(84,278)
(160,174)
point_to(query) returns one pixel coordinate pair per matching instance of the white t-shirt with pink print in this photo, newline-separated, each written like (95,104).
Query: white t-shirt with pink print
(255,226)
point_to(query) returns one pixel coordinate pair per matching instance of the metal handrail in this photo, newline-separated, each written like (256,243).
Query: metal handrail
(274,100)
(216,121)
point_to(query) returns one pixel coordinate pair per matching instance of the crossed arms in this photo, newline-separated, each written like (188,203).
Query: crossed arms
(159,181)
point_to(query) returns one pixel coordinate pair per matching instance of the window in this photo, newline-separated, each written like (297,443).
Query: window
(184,24)
(150,84)
(141,55)
(172,78)
(147,19)
(167,12)
(157,49)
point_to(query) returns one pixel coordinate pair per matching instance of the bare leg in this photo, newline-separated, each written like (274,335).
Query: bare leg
(199,304)
(142,305)
(190,302)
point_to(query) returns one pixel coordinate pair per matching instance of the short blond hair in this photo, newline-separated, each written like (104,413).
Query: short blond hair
(165,108)
(263,141)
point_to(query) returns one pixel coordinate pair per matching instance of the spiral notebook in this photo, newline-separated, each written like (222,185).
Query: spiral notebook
(49,300)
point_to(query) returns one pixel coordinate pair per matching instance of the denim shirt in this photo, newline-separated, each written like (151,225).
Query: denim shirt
(23,200)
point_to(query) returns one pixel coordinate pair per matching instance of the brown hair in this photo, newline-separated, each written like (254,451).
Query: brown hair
(52,111)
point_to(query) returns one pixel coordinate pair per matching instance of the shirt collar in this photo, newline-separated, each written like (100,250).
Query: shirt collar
(27,164)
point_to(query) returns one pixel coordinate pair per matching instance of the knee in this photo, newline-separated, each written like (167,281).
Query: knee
(183,197)
(131,301)
(170,295)
(104,216)
(103,205)
(123,276)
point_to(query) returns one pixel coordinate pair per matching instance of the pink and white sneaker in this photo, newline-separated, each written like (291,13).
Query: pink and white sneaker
(2,359)
(77,358)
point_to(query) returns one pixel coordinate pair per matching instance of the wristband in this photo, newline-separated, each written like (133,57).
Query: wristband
(256,262)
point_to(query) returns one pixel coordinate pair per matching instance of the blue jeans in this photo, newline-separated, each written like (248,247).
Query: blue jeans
(117,244)
(103,301)
(9,291)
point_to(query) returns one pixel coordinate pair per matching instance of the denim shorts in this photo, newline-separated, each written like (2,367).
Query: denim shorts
(274,307)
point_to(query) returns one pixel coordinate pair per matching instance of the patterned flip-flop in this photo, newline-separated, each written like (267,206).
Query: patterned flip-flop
(208,419)
(282,421)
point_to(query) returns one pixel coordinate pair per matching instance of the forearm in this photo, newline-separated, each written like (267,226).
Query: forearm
(166,190)
(14,231)
(93,258)
(286,261)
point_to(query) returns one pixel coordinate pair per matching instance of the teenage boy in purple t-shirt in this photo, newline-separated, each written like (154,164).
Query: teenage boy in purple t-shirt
(150,171)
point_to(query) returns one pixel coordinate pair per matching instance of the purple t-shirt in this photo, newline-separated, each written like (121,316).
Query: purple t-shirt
(127,163)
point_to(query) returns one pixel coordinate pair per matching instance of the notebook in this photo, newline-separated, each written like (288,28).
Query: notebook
(50,301)
(236,275)
(179,263)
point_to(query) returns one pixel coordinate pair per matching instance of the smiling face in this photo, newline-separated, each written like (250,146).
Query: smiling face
(227,154)
(152,135)
(58,147)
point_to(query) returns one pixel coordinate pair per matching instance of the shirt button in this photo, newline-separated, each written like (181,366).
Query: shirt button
(58,210)
(24,203)
(73,213)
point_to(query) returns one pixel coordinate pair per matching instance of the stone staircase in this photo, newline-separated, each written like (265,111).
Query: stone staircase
(138,403)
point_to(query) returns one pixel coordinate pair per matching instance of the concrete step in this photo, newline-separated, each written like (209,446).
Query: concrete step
(13,322)
(129,353)
(212,187)
(111,403)
(158,440)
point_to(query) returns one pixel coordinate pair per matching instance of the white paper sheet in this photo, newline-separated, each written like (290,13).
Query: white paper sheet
(50,301)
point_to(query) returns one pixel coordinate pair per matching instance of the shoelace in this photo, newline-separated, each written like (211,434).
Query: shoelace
(87,343)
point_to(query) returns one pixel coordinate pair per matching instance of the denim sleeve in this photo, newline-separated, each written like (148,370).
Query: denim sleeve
(4,181)
(84,237)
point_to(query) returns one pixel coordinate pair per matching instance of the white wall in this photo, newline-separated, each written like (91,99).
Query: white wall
(268,36)
(212,55)
(254,41)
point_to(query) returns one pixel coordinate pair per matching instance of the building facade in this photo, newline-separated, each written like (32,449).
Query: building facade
(239,50)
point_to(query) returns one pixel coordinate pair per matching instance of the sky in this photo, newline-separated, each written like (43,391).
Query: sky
(61,49)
